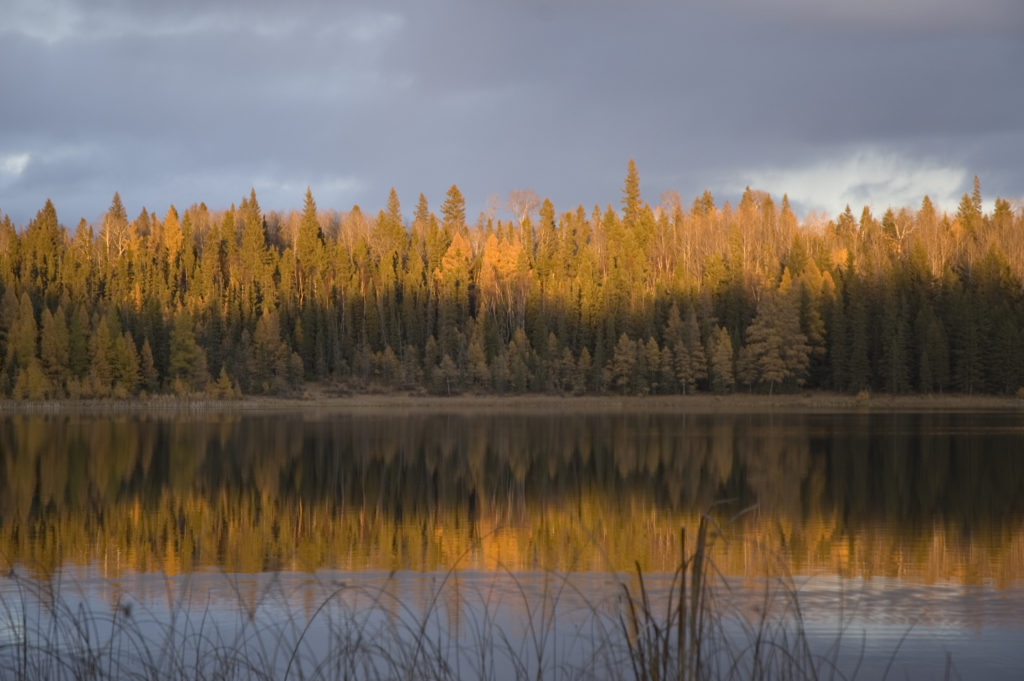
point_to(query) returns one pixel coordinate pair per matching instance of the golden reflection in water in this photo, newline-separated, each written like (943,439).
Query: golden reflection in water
(247,495)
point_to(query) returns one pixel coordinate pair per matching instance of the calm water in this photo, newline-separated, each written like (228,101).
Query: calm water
(892,532)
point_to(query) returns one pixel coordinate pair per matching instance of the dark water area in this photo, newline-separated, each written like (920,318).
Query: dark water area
(885,526)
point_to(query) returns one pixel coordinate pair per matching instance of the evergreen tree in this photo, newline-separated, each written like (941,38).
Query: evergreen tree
(622,367)
(895,332)
(447,377)
(269,368)
(631,203)
(652,366)
(32,383)
(187,367)
(776,350)
(933,356)
(101,373)
(115,229)
(698,369)
(453,211)
(858,366)
(149,378)
(721,352)
(42,252)
(520,361)
(78,342)
(124,359)
(54,347)
(584,370)
(837,332)
(310,252)
(479,371)
(23,335)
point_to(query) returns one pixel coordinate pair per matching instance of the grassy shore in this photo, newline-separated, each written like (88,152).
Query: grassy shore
(322,399)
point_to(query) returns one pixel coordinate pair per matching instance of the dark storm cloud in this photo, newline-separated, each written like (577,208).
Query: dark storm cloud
(187,102)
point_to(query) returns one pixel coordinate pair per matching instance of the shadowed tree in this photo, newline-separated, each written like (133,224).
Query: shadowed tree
(187,366)
(54,346)
(721,352)
(776,351)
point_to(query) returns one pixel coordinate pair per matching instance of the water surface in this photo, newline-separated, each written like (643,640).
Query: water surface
(884,527)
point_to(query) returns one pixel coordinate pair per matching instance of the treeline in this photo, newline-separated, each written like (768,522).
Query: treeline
(643,299)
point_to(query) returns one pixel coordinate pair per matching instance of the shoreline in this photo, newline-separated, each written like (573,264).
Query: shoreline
(315,400)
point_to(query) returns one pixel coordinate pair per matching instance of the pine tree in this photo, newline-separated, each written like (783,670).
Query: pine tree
(23,336)
(42,252)
(622,367)
(32,383)
(721,352)
(224,388)
(101,374)
(698,370)
(187,366)
(479,371)
(269,365)
(652,366)
(124,359)
(453,211)
(858,366)
(895,332)
(933,353)
(631,202)
(673,331)
(254,258)
(968,331)
(54,349)
(667,372)
(148,376)
(78,341)
(520,361)
(447,377)
(310,252)
(776,350)
(683,367)
(115,229)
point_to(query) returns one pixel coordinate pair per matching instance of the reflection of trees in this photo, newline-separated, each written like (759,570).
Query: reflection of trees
(869,493)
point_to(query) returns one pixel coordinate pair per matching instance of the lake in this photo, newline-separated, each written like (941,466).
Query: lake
(450,544)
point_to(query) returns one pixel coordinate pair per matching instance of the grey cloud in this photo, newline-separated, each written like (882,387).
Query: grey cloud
(198,101)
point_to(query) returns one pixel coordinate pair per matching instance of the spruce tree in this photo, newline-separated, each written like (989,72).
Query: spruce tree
(721,352)
(23,334)
(54,347)
(698,370)
(776,351)
(148,376)
(622,366)
(187,366)
(453,211)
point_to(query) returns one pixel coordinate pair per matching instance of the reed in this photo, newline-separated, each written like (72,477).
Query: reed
(525,627)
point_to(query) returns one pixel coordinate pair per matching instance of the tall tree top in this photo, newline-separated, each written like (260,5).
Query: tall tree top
(394,208)
(116,211)
(704,205)
(453,210)
(631,195)
(422,214)
(309,228)
(309,207)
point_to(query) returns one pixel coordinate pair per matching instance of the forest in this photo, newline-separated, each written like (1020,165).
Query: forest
(631,298)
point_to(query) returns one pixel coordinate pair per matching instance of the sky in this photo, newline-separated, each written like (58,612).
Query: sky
(874,102)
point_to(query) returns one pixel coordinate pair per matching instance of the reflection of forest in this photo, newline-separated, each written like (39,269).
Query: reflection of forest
(922,496)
